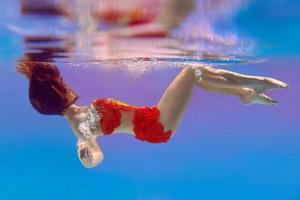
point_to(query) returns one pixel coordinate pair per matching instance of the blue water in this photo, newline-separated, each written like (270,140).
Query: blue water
(222,150)
(275,25)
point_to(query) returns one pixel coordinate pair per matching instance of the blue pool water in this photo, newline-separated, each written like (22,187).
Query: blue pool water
(222,150)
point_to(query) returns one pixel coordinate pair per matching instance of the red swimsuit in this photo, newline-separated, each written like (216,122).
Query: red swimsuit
(145,120)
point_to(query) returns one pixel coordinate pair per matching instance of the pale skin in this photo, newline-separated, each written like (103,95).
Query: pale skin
(174,101)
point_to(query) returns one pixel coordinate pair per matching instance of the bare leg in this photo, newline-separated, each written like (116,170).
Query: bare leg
(175,99)
(228,79)
(249,89)
(245,94)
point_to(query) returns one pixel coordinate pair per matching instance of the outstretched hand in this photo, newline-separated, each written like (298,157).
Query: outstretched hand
(89,153)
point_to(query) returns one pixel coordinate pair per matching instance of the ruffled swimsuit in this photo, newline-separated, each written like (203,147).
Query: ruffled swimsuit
(105,115)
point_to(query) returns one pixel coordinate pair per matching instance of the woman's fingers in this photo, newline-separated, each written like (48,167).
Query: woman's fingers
(89,153)
(83,153)
(86,157)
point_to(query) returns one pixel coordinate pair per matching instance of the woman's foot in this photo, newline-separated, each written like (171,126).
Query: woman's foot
(250,89)
(251,96)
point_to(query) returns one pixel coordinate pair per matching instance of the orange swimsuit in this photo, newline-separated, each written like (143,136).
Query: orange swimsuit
(145,120)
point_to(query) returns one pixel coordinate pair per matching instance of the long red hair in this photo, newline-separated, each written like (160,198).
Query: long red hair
(48,93)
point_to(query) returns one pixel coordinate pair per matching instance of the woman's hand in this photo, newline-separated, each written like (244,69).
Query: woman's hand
(89,153)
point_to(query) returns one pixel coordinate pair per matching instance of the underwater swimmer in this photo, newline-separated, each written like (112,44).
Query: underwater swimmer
(50,95)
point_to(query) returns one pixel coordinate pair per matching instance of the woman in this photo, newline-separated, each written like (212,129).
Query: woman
(49,95)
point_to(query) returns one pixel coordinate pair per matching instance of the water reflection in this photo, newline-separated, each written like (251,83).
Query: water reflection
(45,49)
(138,34)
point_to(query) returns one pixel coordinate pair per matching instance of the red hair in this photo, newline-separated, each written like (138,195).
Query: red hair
(48,93)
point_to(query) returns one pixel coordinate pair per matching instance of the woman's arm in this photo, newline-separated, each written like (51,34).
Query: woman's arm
(88,150)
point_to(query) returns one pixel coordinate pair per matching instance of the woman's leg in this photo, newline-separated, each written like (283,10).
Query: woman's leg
(228,79)
(250,89)
(175,99)
(246,95)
